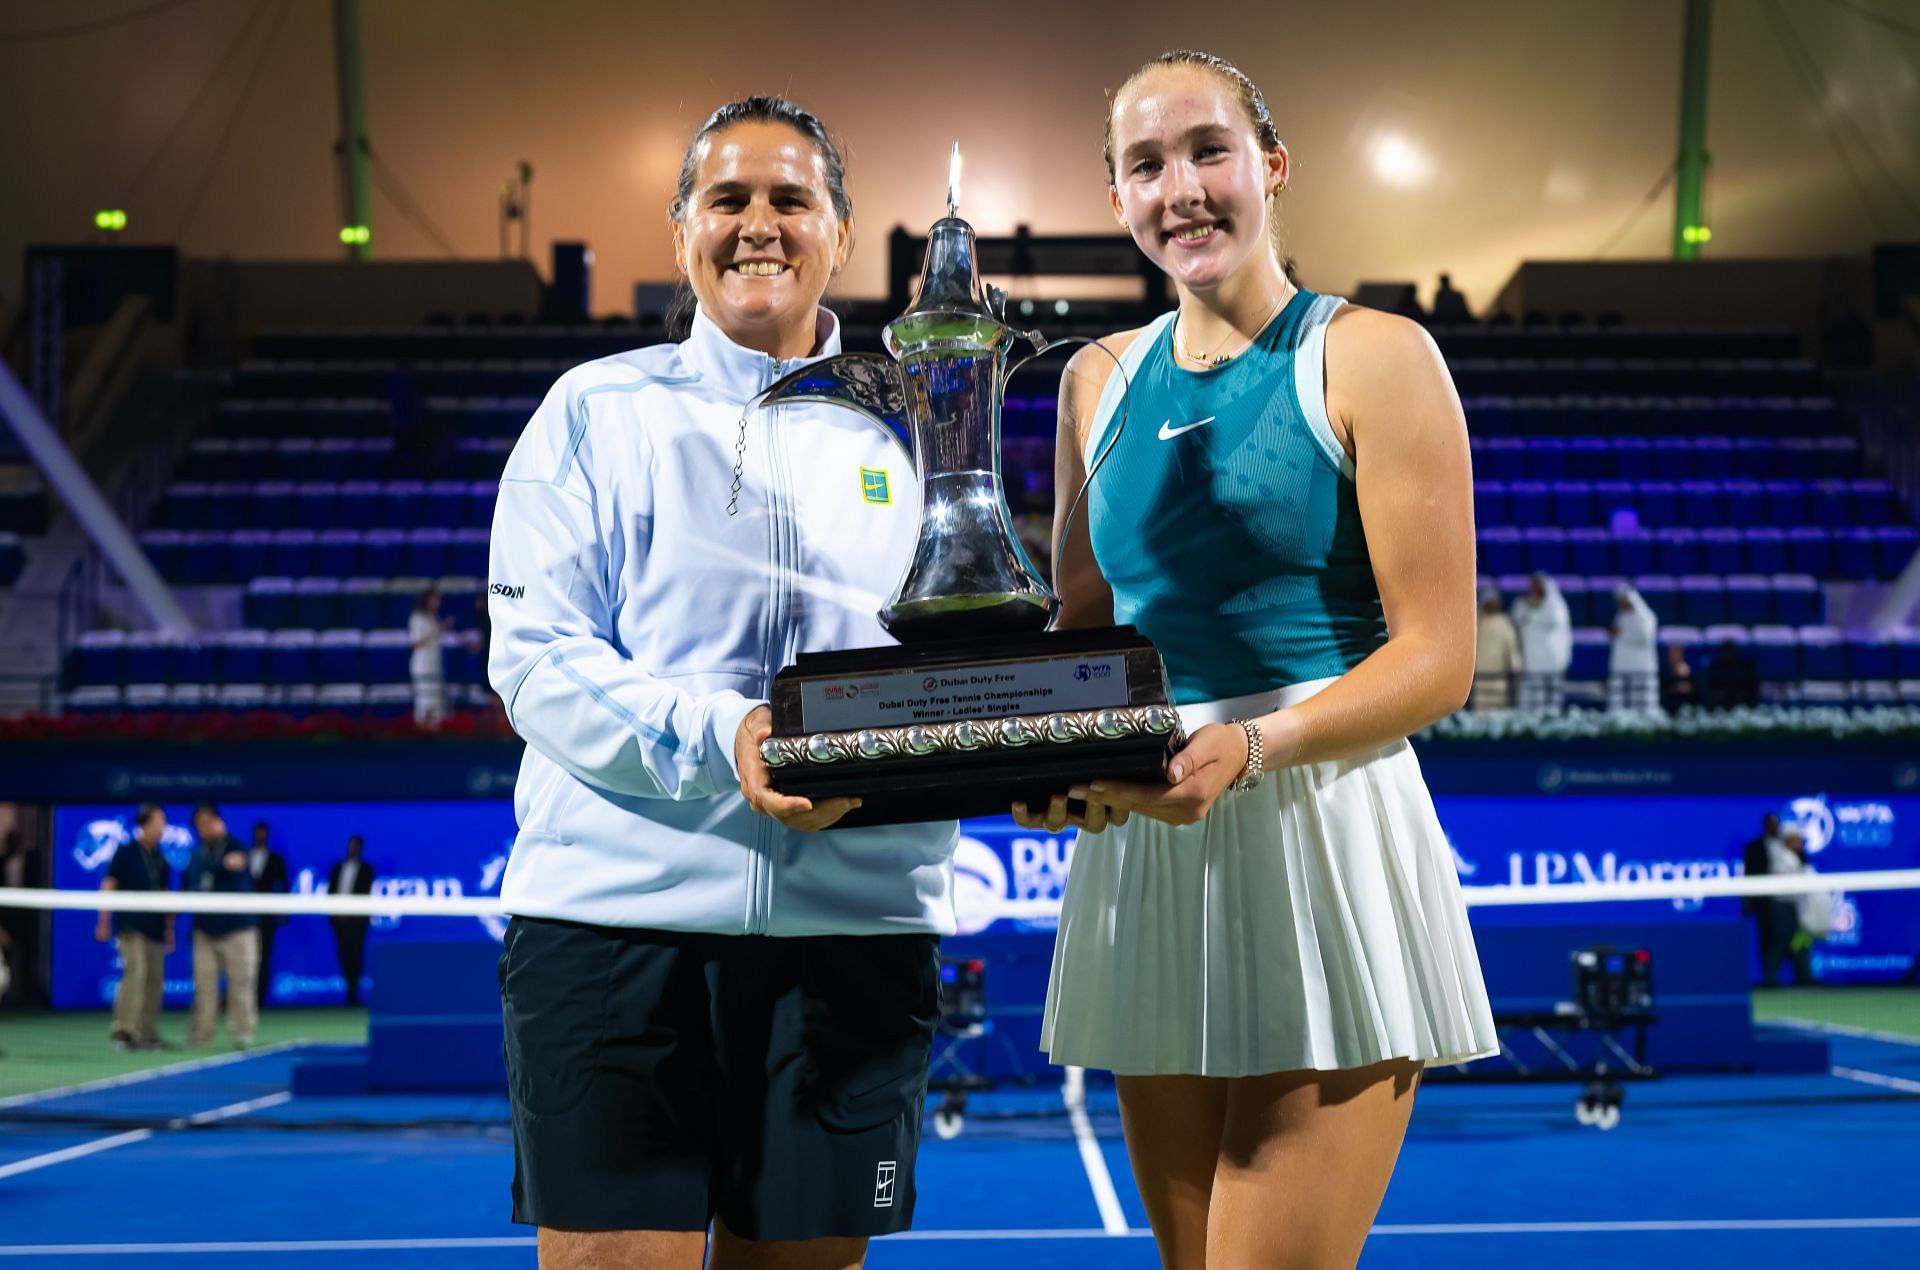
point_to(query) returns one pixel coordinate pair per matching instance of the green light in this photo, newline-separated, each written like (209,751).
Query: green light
(1706,235)
(355,234)
(1696,234)
(110,219)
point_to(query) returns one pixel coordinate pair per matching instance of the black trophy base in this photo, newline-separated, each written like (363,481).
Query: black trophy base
(985,777)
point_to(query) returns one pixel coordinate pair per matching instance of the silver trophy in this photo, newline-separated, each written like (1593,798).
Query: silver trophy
(980,704)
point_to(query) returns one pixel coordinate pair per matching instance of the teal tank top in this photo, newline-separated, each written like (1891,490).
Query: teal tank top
(1223,512)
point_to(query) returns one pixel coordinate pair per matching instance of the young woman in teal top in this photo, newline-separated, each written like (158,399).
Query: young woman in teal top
(1268,947)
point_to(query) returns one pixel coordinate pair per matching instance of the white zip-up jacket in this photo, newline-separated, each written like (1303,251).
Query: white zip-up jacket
(636,623)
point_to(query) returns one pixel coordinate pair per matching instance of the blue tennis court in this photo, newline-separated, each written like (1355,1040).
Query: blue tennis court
(1734,1171)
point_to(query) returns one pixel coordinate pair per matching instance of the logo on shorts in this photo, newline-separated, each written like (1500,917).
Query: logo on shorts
(883,1185)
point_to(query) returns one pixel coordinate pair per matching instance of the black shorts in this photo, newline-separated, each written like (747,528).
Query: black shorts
(660,1078)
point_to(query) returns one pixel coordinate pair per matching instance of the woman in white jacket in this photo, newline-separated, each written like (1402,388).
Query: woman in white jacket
(1545,627)
(1633,664)
(712,1016)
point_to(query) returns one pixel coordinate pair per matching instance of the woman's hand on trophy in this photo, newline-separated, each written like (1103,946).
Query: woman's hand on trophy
(1093,815)
(757,787)
(1213,759)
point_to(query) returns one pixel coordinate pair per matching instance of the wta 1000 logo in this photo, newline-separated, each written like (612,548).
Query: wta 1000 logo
(1867,825)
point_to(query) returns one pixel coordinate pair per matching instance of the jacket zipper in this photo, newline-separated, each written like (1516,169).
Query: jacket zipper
(760,879)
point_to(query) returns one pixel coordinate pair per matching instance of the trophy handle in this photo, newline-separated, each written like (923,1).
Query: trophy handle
(867,383)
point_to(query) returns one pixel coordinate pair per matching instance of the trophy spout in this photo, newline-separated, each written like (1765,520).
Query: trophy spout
(868,383)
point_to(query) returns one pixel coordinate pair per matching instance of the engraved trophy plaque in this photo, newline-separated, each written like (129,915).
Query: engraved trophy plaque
(980,704)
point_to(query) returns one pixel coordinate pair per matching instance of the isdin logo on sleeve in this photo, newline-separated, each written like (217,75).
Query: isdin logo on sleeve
(874,487)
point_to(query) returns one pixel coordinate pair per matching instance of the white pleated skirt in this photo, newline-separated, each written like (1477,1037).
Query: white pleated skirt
(1312,922)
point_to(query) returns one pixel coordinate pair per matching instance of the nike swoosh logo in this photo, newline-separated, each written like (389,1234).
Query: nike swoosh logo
(1168,432)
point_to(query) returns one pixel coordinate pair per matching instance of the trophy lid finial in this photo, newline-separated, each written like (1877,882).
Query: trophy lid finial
(953,181)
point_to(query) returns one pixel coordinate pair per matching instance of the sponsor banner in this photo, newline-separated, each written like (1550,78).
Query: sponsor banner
(460,848)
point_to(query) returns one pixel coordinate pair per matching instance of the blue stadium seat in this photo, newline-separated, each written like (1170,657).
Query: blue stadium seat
(380,552)
(146,698)
(1506,458)
(1590,648)
(1871,657)
(1755,458)
(316,603)
(1677,551)
(403,504)
(342,698)
(1615,502)
(1661,595)
(1787,504)
(389,700)
(145,656)
(1590,550)
(470,552)
(1547,458)
(316,505)
(363,602)
(1573,504)
(194,661)
(240,698)
(254,458)
(1659,504)
(95,699)
(445,504)
(360,503)
(1766,549)
(202,558)
(1490,503)
(1798,600)
(1897,545)
(481,496)
(292,552)
(267,603)
(272,505)
(247,555)
(1701,504)
(1875,503)
(1837,458)
(187,698)
(335,459)
(1531,503)
(1906,651)
(1633,552)
(1713,458)
(1590,458)
(1579,596)
(163,550)
(1546,548)
(1673,458)
(1776,653)
(1723,551)
(1750,600)
(336,553)
(427,553)
(1633,458)
(1823,653)
(297,459)
(1500,550)
(1856,553)
(1831,504)
(1745,502)
(243,656)
(337,657)
(290,656)
(387,654)
(1810,551)
(229,506)
(211,459)
(1703,600)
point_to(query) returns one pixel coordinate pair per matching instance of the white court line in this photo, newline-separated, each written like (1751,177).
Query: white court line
(968,1236)
(1875,1078)
(98,1145)
(1842,1029)
(1073,1093)
(151,1073)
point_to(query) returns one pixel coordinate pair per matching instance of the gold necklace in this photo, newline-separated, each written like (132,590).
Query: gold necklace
(1246,341)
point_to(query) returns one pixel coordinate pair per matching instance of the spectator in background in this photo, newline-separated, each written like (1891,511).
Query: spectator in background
(1497,659)
(1545,627)
(1449,306)
(351,875)
(1633,664)
(427,665)
(144,939)
(1676,680)
(268,869)
(1788,942)
(1733,679)
(1756,860)
(223,943)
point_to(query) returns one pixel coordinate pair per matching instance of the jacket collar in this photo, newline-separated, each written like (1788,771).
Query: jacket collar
(740,372)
